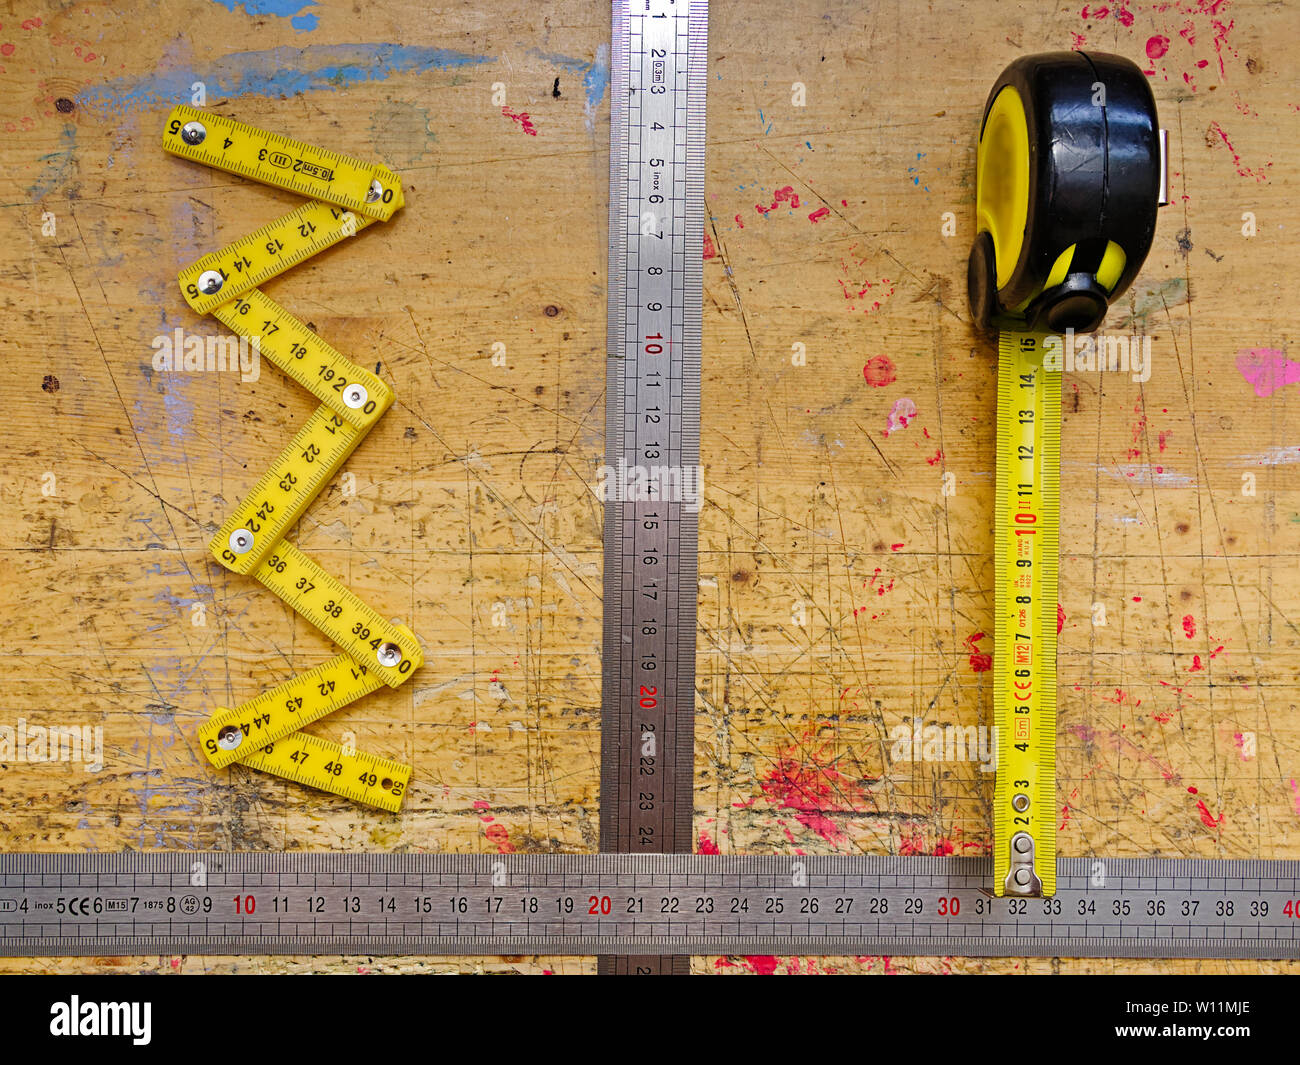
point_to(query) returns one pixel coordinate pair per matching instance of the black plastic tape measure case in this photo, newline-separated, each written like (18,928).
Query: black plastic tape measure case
(1092,181)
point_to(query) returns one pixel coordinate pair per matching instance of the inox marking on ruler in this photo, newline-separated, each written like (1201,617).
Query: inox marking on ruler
(251,903)
(656,232)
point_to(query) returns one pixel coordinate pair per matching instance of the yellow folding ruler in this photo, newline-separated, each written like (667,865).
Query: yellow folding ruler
(1070,171)
(349,195)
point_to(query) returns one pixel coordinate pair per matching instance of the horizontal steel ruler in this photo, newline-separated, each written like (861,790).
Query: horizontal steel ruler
(658,80)
(644,904)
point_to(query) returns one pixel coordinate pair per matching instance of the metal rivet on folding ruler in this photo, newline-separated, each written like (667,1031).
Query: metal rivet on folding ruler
(355,397)
(193,133)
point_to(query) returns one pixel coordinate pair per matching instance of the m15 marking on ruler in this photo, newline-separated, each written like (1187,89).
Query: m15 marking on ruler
(656,232)
(657,904)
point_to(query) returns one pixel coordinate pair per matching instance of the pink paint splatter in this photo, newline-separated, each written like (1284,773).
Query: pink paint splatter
(1157,46)
(1189,626)
(761,964)
(739,222)
(879,371)
(819,214)
(707,846)
(903,411)
(521,119)
(1295,796)
(980,661)
(710,251)
(1207,818)
(1065,818)
(785,195)
(1267,370)
(6,49)
(1196,666)
(936,458)
(895,547)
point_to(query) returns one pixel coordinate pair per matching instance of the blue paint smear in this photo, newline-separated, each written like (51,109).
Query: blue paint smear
(58,165)
(280,8)
(274,72)
(595,73)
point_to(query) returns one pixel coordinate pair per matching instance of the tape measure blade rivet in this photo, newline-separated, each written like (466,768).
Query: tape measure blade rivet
(210,282)
(241,541)
(389,654)
(356,396)
(193,133)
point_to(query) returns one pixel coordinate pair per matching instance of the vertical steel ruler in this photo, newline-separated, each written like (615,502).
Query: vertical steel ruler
(652,427)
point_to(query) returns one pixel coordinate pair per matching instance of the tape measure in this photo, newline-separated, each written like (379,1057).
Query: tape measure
(656,231)
(272,159)
(266,253)
(349,195)
(1069,175)
(646,904)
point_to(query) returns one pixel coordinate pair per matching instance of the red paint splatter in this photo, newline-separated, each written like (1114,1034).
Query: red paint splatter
(806,780)
(819,214)
(499,836)
(1137,599)
(1164,437)
(1207,818)
(1077,41)
(739,222)
(6,49)
(707,846)
(896,547)
(1189,626)
(1060,618)
(32,24)
(1258,173)
(1065,818)
(879,371)
(785,195)
(1196,666)
(521,119)
(980,661)
(761,964)
(938,458)
(1157,46)
(1192,789)
(709,250)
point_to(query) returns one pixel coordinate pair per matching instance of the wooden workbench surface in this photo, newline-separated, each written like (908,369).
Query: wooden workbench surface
(842,592)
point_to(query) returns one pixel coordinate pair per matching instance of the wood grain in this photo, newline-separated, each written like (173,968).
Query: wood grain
(842,593)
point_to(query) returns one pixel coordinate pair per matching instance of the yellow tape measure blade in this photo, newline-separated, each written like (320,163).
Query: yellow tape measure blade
(284,709)
(1026,538)
(328,766)
(273,159)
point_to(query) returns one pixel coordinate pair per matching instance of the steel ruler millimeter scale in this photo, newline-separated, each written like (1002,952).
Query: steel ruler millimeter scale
(656,904)
(652,426)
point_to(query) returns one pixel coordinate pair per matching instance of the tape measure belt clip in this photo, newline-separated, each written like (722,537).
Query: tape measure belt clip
(1069,179)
